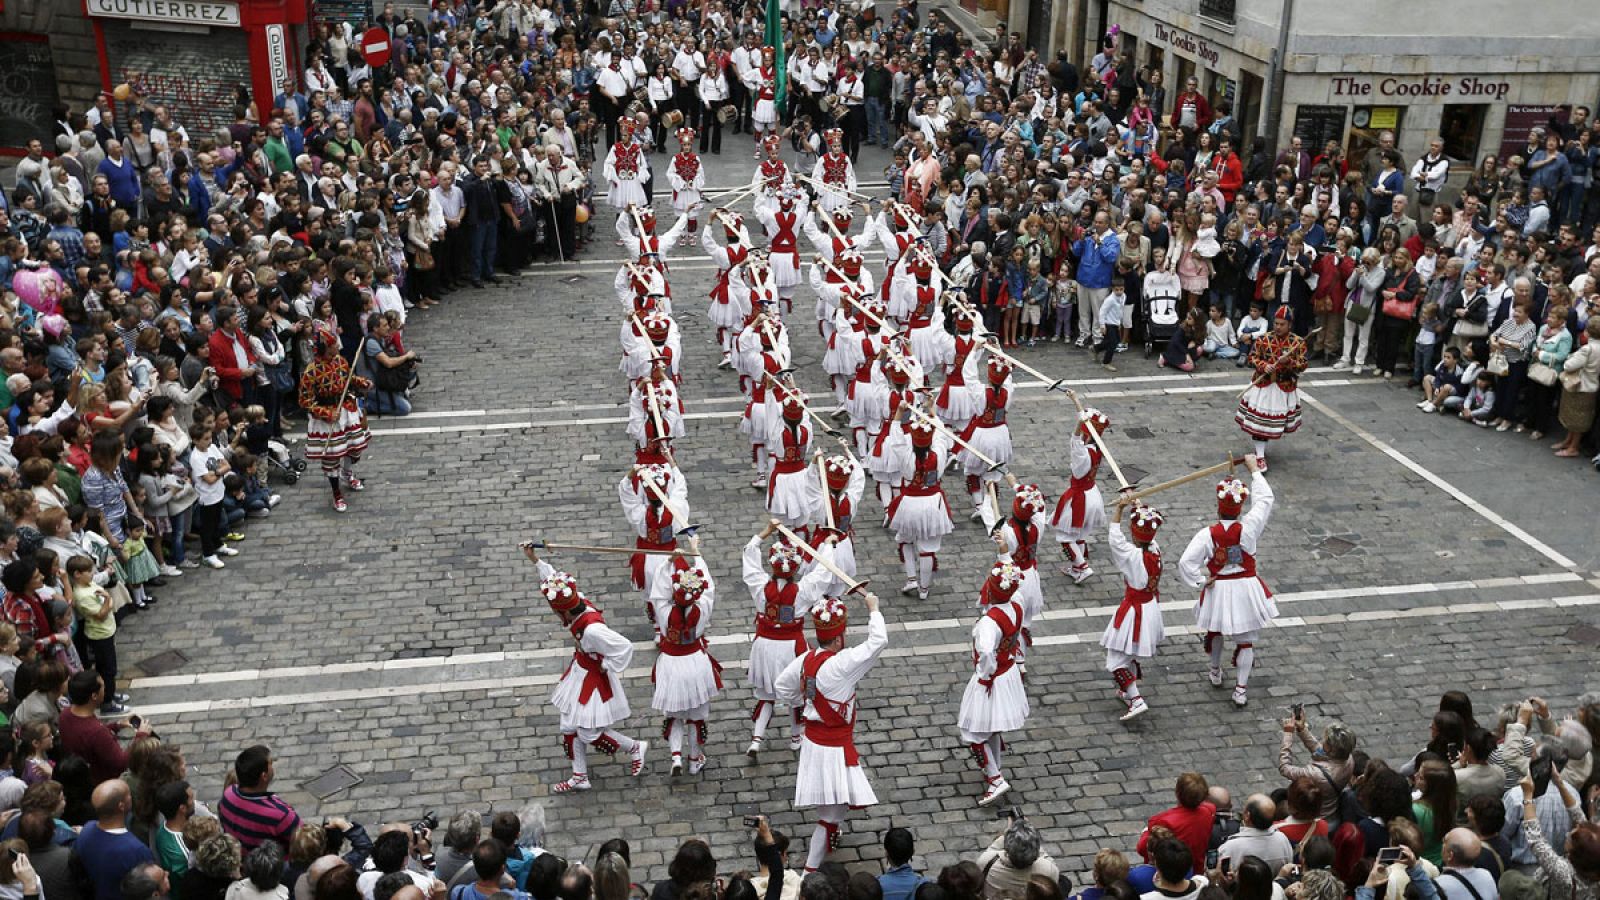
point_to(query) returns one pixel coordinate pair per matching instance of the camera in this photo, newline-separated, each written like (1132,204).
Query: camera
(428,822)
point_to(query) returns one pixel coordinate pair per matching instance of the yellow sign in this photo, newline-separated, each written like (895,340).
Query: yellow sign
(1384,117)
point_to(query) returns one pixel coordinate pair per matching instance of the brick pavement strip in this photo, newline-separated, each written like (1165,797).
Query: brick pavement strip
(425,565)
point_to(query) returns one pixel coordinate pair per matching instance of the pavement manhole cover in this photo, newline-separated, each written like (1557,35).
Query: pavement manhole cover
(1337,546)
(162,663)
(336,779)
(1138,432)
(1584,634)
(573,279)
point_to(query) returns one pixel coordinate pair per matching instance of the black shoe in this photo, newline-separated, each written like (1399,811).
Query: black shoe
(477,284)
(157,582)
(151,599)
(493,279)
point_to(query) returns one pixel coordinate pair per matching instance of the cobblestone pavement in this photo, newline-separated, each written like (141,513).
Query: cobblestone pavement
(404,640)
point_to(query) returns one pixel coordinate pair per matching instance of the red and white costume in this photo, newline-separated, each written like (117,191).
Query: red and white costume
(996,698)
(649,248)
(649,340)
(829,278)
(783,250)
(835,173)
(687,176)
(823,683)
(772,176)
(833,242)
(961,396)
(626,169)
(642,288)
(647,398)
(1235,604)
(762,81)
(835,497)
(589,696)
(1136,629)
(789,447)
(890,459)
(781,607)
(728,309)
(866,397)
(1021,533)
(685,674)
(1081,510)
(761,412)
(896,239)
(919,516)
(989,433)
(917,300)
(655,524)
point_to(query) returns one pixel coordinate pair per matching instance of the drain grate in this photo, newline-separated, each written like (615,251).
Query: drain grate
(1584,634)
(336,779)
(162,663)
(1336,546)
(1138,433)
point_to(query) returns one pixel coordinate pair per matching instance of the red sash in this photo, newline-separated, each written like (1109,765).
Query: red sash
(719,290)
(658,535)
(1134,599)
(833,728)
(993,415)
(1075,500)
(595,677)
(1005,654)
(1027,535)
(783,241)
(842,515)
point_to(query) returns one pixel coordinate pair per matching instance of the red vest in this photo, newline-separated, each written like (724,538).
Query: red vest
(719,290)
(835,168)
(783,241)
(773,170)
(792,458)
(678,637)
(768,89)
(836,720)
(595,677)
(686,164)
(922,312)
(1005,654)
(777,620)
(1134,599)
(1226,551)
(924,480)
(626,158)
(1027,536)
(994,408)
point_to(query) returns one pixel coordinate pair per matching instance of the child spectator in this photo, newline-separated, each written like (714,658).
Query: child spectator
(1251,327)
(233,501)
(1184,345)
(1444,384)
(387,293)
(1111,322)
(1034,301)
(1430,328)
(93,603)
(208,466)
(1221,342)
(141,567)
(1478,408)
(1064,294)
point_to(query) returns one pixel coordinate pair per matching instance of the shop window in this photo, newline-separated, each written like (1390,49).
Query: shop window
(1220,10)
(1367,124)
(1462,130)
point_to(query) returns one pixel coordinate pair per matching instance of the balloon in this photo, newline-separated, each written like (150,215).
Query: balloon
(123,92)
(39,288)
(583,214)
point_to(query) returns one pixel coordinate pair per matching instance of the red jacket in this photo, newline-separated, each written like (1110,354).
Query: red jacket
(1202,110)
(1192,826)
(227,364)
(1230,174)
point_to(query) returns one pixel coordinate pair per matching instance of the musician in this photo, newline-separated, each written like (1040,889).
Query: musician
(744,60)
(813,79)
(688,67)
(662,95)
(852,96)
(613,94)
(714,94)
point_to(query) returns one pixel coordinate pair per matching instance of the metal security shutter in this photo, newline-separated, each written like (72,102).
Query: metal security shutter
(195,75)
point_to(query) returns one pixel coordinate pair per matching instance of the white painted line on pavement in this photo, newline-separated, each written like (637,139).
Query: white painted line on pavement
(498,656)
(1461,496)
(478,685)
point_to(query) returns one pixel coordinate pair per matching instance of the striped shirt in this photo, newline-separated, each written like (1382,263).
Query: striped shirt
(256,818)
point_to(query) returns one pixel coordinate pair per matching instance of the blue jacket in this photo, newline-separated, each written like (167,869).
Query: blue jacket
(900,882)
(1095,264)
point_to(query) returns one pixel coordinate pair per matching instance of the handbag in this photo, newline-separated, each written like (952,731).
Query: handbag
(1358,313)
(1543,374)
(1400,309)
(422,261)
(1498,365)
(1466,329)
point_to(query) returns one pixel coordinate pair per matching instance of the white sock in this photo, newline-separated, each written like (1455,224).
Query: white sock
(625,744)
(908,558)
(925,571)
(580,758)
(1216,651)
(1261,449)
(993,745)
(675,736)
(763,716)
(1247,661)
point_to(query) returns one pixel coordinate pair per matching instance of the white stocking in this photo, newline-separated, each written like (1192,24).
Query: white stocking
(925,571)
(675,736)
(763,716)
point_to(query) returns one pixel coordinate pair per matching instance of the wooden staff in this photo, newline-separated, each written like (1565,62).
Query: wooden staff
(728,198)
(838,189)
(827,497)
(722,215)
(655,409)
(827,427)
(1134,496)
(1094,433)
(993,466)
(854,585)
(543,545)
(338,407)
(677,513)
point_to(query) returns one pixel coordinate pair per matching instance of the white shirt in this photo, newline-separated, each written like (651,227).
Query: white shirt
(201,462)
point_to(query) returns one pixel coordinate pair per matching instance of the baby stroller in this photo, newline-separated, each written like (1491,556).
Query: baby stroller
(1160,320)
(281,460)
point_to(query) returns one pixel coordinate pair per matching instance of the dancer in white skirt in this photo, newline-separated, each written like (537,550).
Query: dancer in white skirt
(687,176)
(655,409)
(649,340)
(835,497)
(834,173)
(781,607)
(728,307)
(930,343)
(823,682)
(889,461)
(772,177)
(762,81)
(828,279)
(641,289)
(1136,629)
(866,398)
(1235,604)
(783,248)
(685,674)
(1081,510)
(919,515)
(961,395)
(1018,537)
(336,426)
(655,523)
(837,240)
(996,698)
(989,433)
(761,411)
(897,227)
(589,696)
(636,228)
(1270,407)
(626,169)
(846,329)
(789,445)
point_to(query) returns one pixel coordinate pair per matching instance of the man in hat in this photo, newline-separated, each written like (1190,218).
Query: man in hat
(783,248)
(589,695)
(762,81)
(336,428)
(651,338)
(688,178)
(823,682)
(834,173)
(1019,536)
(1081,510)
(685,674)
(961,396)
(990,434)
(655,501)
(1135,630)
(789,444)
(1235,604)
(655,409)
(725,311)
(1270,407)
(835,496)
(914,299)
(772,177)
(996,698)
(782,603)
(919,515)
(626,170)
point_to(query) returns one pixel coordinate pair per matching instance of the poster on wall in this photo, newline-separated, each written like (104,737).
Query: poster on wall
(356,12)
(1315,126)
(1520,120)
(196,76)
(27,91)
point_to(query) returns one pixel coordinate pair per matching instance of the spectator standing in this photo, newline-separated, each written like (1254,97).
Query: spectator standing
(1189,821)
(249,810)
(105,848)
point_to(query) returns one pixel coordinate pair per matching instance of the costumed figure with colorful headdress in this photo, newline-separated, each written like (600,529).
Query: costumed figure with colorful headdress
(1270,407)
(655,501)
(1081,510)
(626,169)
(919,515)
(961,396)
(728,307)
(685,674)
(687,175)
(989,433)
(782,223)
(1135,630)
(834,174)
(336,427)
(996,698)
(835,497)
(789,447)
(783,597)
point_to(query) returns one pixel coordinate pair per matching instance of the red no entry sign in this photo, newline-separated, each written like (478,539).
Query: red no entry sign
(375,47)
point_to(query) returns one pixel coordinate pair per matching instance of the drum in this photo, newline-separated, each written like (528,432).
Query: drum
(672,118)
(727,113)
(833,106)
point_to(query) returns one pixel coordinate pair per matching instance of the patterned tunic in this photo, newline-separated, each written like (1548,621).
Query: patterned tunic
(333,432)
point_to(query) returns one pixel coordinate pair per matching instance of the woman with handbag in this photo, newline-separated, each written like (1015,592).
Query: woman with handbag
(422,234)
(1397,309)
(1508,361)
(1363,283)
(1550,351)
(1580,385)
(1466,313)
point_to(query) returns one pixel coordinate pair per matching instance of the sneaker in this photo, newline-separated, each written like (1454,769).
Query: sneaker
(636,762)
(1355,370)
(190,563)
(355,483)
(909,588)
(215,563)
(340,506)
(677,764)
(1428,408)
(257,513)
(575,783)
(1079,576)
(233,536)
(1109,367)
(1239,698)
(753,752)
(171,571)
(997,789)
(1135,709)
(1423,405)
(697,764)
(923,596)
(1078,342)
(795,740)
(227,551)
(112,709)
(1122,348)
(274,500)
(1214,675)
(1341,365)
(120,697)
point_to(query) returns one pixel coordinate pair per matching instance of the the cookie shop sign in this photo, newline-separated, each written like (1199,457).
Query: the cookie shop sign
(1188,43)
(1390,88)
